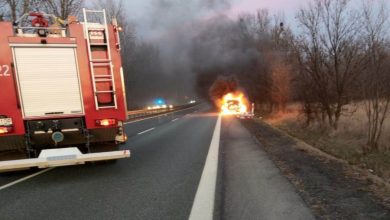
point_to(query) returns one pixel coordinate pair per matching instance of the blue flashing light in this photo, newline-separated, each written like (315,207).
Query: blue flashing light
(159,101)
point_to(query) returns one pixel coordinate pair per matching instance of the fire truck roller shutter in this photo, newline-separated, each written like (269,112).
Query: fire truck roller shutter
(48,81)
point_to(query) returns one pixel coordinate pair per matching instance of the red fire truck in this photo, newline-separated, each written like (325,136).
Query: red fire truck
(62,95)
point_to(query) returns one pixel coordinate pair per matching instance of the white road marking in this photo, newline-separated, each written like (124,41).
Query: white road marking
(203,206)
(175,119)
(146,131)
(131,122)
(25,178)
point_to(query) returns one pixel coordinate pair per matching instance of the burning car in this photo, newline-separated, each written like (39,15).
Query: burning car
(233,104)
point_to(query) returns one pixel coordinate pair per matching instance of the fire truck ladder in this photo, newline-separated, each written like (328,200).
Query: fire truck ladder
(95,63)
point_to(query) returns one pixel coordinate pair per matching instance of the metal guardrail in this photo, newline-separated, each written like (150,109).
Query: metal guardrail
(137,114)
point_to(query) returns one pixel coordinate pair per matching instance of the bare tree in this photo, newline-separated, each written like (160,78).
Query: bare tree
(13,9)
(329,54)
(280,90)
(114,9)
(63,8)
(375,81)
(2,6)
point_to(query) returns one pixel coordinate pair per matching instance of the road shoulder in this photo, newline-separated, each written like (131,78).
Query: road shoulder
(253,186)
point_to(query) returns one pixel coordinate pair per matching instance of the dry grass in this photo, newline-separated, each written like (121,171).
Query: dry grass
(345,143)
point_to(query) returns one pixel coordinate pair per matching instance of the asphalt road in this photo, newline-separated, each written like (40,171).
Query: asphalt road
(162,177)
(159,181)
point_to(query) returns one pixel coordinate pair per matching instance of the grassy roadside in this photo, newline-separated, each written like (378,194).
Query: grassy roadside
(345,143)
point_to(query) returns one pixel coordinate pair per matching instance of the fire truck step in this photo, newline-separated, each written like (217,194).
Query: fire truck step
(103,80)
(96,29)
(100,61)
(107,107)
(101,64)
(103,76)
(98,44)
(110,91)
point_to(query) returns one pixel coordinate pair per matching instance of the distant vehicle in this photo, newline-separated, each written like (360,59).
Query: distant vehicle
(63,97)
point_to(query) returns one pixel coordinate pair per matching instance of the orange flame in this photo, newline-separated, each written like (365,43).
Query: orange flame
(233,104)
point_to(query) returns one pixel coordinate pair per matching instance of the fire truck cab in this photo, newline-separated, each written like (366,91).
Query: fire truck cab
(62,94)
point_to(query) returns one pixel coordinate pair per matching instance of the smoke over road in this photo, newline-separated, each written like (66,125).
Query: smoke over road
(194,42)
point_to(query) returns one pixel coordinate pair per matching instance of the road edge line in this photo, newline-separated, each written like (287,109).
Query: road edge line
(146,131)
(175,119)
(203,206)
(162,114)
(25,178)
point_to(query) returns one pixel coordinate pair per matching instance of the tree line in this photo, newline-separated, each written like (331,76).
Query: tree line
(343,57)
(337,56)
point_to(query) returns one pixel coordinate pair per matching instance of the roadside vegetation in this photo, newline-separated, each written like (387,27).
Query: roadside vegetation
(336,69)
(345,143)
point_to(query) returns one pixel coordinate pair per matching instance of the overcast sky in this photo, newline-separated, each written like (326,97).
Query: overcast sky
(137,8)
(142,12)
